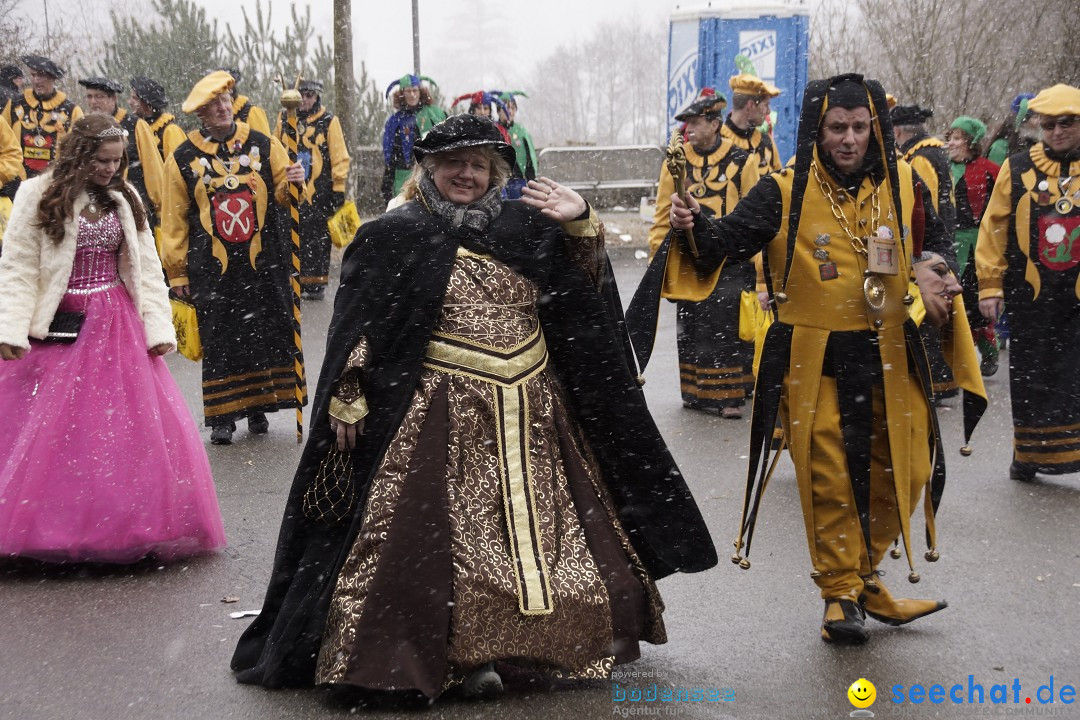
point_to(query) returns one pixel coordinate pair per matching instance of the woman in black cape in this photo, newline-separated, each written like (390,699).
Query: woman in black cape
(483,482)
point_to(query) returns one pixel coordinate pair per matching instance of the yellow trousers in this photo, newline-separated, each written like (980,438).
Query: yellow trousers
(833,533)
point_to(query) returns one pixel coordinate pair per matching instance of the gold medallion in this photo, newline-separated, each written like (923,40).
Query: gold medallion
(1063,206)
(874,290)
(231,182)
(39,141)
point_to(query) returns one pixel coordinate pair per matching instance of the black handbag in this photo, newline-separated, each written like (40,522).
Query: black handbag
(65,327)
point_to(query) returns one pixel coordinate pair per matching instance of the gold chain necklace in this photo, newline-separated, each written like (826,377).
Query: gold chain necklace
(873,286)
(857,243)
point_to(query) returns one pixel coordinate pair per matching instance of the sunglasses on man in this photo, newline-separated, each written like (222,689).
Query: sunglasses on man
(1064,122)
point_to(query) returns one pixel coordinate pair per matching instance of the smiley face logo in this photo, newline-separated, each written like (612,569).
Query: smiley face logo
(862,693)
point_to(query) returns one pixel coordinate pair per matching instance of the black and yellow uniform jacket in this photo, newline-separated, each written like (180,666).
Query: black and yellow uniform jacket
(926,154)
(145,166)
(328,162)
(717,180)
(38,126)
(247,112)
(217,193)
(168,135)
(10,154)
(754,142)
(1016,230)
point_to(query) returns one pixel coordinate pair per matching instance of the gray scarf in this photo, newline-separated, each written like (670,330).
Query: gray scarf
(474,217)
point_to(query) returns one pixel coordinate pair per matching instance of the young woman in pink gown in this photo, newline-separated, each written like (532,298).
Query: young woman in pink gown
(100,459)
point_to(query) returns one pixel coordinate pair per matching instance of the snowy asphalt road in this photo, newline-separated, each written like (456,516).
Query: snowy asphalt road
(155,642)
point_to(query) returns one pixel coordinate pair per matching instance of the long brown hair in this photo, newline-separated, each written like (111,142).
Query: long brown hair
(398,98)
(71,172)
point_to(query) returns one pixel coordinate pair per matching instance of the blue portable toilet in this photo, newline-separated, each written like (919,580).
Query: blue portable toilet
(704,39)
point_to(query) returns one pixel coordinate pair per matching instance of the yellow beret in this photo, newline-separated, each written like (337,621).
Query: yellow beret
(207,89)
(746,84)
(1057,100)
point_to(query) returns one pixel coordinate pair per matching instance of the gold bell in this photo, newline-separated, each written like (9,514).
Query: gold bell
(896,554)
(744,564)
(736,559)
(877,323)
(913,577)
(640,380)
(966,451)
(908,299)
(781,297)
(932,556)
(814,574)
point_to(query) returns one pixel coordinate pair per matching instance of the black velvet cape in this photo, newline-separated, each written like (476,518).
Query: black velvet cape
(393,280)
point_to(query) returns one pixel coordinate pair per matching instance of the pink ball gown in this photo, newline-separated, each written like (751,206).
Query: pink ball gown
(100,459)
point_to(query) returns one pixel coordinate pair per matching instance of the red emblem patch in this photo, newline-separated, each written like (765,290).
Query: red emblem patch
(234,215)
(38,151)
(1059,241)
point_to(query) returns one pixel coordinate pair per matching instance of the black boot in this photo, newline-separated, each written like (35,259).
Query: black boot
(844,623)
(1022,473)
(483,684)
(222,434)
(258,424)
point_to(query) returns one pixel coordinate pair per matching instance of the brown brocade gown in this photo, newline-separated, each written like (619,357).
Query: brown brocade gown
(488,533)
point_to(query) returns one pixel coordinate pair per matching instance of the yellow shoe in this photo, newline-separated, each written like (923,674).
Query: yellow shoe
(882,606)
(843,623)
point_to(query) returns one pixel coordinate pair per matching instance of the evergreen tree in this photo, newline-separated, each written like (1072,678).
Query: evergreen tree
(175,45)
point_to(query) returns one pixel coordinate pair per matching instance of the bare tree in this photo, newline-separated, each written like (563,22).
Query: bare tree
(834,40)
(956,56)
(606,90)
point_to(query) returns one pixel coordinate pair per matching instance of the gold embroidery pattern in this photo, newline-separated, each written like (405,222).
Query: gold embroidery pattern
(574,640)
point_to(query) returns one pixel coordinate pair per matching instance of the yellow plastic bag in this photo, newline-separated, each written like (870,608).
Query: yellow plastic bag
(186,323)
(759,338)
(751,316)
(5,213)
(344,224)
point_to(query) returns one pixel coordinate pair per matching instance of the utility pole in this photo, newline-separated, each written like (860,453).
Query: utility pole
(416,37)
(345,81)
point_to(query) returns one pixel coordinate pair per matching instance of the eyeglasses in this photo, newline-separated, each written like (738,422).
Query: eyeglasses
(308,93)
(1064,122)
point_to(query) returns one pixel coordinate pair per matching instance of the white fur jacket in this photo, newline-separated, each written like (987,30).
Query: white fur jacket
(34,270)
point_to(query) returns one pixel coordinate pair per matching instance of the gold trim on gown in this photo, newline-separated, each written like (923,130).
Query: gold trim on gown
(577,631)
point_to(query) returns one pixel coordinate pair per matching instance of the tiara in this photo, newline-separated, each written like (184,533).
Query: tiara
(112,132)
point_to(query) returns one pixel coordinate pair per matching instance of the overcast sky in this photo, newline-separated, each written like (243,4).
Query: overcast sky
(465,45)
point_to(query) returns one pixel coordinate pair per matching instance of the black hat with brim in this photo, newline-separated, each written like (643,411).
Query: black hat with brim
(150,92)
(10,72)
(104,84)
(464,131)
(708,106)
(909,115)
(43,65)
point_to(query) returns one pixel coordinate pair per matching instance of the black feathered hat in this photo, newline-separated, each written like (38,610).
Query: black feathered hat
(463,131)
(43,65)
(910,115)
(100,83)
(150,92)
(311,86)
